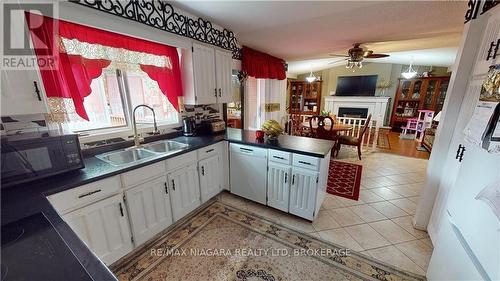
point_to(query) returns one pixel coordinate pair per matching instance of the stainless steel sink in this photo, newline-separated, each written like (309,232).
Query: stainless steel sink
(123,157)
(165,146)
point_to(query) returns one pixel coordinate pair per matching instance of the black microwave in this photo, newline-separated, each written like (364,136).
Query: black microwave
(31,156)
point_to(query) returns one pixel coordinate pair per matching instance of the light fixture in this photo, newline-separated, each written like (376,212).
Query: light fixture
(311,78)
(410,73)
(351,64)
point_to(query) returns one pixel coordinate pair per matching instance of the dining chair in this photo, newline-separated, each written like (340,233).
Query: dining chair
(321,132)
(353,141)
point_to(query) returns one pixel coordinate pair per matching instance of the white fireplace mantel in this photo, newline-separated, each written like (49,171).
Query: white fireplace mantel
(377,106)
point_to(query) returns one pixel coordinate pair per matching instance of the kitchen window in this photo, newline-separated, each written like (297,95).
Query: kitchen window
(98,77)
(114,96)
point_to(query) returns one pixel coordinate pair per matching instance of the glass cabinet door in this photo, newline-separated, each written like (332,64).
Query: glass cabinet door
(416,90)
(429,94)
(443,87)
(405,89)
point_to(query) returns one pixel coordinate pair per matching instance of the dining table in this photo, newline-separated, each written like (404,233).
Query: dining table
(337,128)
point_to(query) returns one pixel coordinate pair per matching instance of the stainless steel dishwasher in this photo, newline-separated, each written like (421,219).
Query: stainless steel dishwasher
(248,172)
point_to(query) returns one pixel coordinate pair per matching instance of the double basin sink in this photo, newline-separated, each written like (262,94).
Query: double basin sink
(138,154)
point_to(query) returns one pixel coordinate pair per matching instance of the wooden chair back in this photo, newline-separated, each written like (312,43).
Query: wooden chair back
(321,132)
(365,127)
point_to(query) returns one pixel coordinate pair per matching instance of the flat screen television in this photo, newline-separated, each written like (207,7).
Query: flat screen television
(363,85)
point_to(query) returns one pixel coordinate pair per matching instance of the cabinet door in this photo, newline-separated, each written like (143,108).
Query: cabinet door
(210,171)
(22,91)
(103,226)
(184,190)
(224,69)
(149,209)
(278,185)
(303,192)
(491,34)
(204,74)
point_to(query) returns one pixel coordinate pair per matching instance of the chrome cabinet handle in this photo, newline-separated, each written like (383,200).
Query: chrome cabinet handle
(286,176)
(305,163)
(173,184)
(121,208)
(202,170)
(246,149)
(279,157)
(210,150)
(215,90)
(293,179)
(220,92)
(166,188)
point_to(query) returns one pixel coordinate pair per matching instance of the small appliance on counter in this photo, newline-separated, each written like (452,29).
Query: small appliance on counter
(209,127)
(188,126)
(31,156)
(217,126)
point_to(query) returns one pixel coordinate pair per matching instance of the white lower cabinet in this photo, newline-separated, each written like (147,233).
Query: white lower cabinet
(278,185)
(104,227)
(303,192)
(184,188)
(149,209)
(210,171)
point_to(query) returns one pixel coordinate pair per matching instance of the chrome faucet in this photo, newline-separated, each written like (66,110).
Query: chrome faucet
(137,139)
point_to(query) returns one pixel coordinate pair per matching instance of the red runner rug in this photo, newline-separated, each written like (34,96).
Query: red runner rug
(344,179)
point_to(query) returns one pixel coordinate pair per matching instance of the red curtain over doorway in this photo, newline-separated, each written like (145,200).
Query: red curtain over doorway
(262,65)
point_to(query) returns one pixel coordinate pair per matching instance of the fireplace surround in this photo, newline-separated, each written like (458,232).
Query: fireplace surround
(376,106)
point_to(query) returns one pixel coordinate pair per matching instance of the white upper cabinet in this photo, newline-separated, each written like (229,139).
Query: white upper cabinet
(278,185)
(210,171)
(224,69)
(303,192)
(491,34)
(184,188)
(104,227)
(149,209)
(22,91)
(206,75)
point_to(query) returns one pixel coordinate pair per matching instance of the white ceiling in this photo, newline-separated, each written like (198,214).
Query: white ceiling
(305,30)
(435,57)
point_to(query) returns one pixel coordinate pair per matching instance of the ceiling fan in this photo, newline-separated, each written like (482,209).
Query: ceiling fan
(356,55)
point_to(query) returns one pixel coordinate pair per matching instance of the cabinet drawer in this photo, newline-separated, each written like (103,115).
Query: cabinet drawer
(143,174)
(181,160)
(306,162)
(83,195)
(208,151)
(279,156)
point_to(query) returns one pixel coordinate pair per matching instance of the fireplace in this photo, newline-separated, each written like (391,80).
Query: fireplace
(376,106)
(353,112)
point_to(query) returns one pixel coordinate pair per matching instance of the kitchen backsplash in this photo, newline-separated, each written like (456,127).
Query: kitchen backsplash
(23,124)
(202,112)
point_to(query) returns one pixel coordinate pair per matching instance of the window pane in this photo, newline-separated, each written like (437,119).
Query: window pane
(144,90)
(104,105)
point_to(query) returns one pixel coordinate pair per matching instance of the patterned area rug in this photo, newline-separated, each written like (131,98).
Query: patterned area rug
(224,243)
(344,179)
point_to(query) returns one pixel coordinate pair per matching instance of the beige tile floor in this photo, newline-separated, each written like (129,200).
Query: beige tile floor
(379,224)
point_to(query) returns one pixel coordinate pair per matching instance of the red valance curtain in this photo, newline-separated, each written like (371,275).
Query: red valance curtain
(262,65)
(71,75)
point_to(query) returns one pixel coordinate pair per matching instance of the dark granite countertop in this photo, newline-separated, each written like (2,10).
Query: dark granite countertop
(21,201)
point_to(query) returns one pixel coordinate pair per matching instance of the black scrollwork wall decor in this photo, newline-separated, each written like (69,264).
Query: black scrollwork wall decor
(488,4)
(161,15)
(472,9)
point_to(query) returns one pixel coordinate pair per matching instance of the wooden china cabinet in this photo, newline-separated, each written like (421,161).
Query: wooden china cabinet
(418,93)
(305,97)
